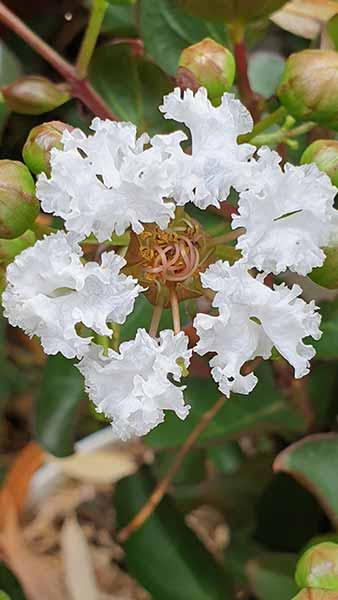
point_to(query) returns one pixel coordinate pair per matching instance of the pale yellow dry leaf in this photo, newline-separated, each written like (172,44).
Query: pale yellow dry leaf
(305,18)
(78,566)
(98,467)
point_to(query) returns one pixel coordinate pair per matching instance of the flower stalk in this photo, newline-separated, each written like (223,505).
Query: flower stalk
(155,321)
(175,309)
(98,11)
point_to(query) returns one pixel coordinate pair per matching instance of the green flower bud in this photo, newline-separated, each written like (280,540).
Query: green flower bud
(327,275)
(318,567)
(18,204)
(233,11)
(324,153)
(36,151)
(10,248)
(309,86)
(211,65)
(312,594)
(34,95)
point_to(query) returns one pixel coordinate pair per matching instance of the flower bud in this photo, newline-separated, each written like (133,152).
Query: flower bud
(211,65)
(41,139)
(311,594)
(318,567)
(327,275)
(18,204)
(34,95)
(233,11)
(324,153)
(309,86)
(10,248)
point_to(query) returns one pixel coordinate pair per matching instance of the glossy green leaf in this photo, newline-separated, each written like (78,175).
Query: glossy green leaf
(131,86)
(10,585)
(164,555)
(265,409)
(271,576)
(57,405)
(265,72)
(313,461)
(167,30)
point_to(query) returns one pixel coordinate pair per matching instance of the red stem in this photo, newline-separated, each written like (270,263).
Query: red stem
(80,88)
(246,92)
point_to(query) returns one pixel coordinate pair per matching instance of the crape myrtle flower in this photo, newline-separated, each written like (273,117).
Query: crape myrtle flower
(252,320)
(287,214)
(49,291)
(217,161)
(131,386)
(110,182)
(106,182)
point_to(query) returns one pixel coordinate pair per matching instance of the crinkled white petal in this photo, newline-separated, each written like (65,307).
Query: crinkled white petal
(252,320)
(217,161)
(49,291)
(106,182)
(131,387)
(288,216)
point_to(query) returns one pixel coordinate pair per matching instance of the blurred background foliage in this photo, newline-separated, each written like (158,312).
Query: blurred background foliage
(268,463)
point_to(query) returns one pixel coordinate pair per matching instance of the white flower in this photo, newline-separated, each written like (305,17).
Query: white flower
(288,216)
(49,291)
(131,387)
(252,319)
(217,161)
(106,182)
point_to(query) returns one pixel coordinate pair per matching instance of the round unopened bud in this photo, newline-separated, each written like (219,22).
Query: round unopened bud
(313,594)
(233,11)
(309,86)
(327,275)
(18,205)
(34,95)
(10,248)
(211,65)
(40,141)
(318,567)
(324,153)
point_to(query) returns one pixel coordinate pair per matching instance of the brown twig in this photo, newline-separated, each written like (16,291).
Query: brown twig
(164,484)
(80,88)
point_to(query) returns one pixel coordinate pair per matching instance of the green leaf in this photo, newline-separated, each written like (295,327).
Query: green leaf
(121,2)
(265,409)
(57,404)
(10,70)
(321,385)
(164,555)
(313,461)
(332,30)
(132,87)
(265,72)
(272,576)
(4,596)
(9,584)
(166,31)
(327,346)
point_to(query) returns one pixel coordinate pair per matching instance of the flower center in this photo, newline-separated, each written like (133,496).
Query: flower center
(172,255)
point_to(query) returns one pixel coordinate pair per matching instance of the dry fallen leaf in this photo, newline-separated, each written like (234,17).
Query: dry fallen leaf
(78,566)
(305,18)
(99,467)
(39,576)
